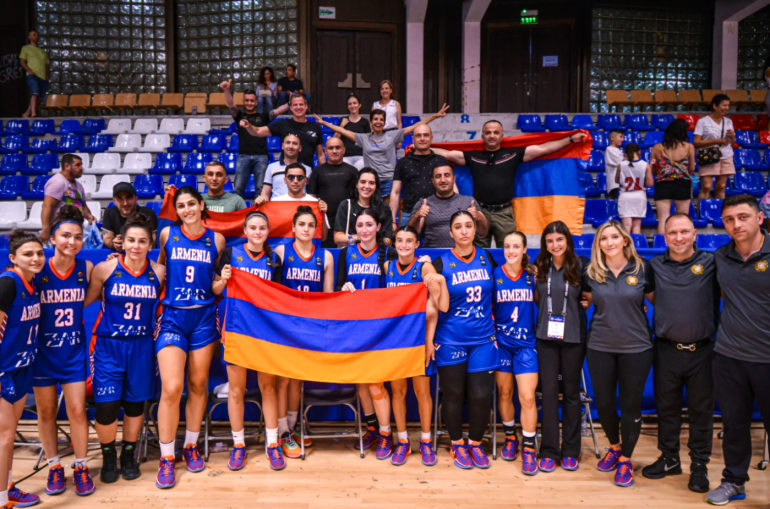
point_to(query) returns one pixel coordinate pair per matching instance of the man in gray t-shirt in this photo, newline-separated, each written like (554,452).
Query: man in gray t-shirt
(216,198)
(431,215)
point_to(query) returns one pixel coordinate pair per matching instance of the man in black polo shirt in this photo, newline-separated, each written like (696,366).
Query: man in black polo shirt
(494,170)
(289,85)
(742,361)
(415,173)
(685,319)
(252,152)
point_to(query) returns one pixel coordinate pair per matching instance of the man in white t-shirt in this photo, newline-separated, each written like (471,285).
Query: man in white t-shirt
(613,156)
(273,184)
(294,180)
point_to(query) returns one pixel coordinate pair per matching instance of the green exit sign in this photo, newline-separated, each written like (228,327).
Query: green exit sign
(529,16)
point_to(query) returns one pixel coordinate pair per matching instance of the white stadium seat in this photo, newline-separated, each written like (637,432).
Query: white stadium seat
(34,222)
(104,164)
(145,126)
(118,126)
(96,209)
(171,126)
(136,164)
(106,185)
(127,143)
(198,126)
(156,143)
(86,161)
(12,213)
(89,184)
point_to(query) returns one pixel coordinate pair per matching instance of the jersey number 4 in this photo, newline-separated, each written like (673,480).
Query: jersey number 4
(130,311)
(474,294)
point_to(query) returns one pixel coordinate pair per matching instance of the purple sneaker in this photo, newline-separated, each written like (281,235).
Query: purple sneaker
(21,498)
(479,457)
(547,465)
(624,476)
(427,453)
(237,457)
(403,449)
(369,438)
(569,464)
(528,461)
(84,485)
(510,449)
(608,463)
(193,458)
(166,478)
(461,455)
(384,446)
(275,455)
(57,483)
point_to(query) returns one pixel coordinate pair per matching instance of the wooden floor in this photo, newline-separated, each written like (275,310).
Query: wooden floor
(333,476)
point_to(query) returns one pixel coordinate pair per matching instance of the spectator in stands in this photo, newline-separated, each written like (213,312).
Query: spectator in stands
(430,216)
(274,185)
(494,171)
(217,200)
(379,147)
(672,163)
(366,194)
(632,201)
(390,106)
(289,86)
(309,133)
(764,206)
(253,155)
(766,73)
(355,123)
(64,189)
(126,204)
(716,130)
(267,89)
(415,173)
(332,181)
(35,61)
(294,180)
(613,156)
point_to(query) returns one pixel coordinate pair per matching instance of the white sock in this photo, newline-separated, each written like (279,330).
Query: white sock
(529,434)
(403,435)
(292,418)
(80,462)
(384,429)
(424,436)
(52,462)
(283,426)
(239,437)
(3,497)
(272,436)
(191,437)
(510,423)
(167,449)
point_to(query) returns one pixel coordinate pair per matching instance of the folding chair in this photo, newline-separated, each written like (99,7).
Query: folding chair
(762,465)
(251,396)
(345,396)
(30,405)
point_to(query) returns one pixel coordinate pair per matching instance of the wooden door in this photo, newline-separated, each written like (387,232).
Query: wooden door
(550,69)
(509,83)
(374,63)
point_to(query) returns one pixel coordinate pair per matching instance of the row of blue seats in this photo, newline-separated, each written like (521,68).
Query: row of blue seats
(706,241)
(744,139)
(744,159)
(750,183)
(47,126)
(637,122)
(600,211)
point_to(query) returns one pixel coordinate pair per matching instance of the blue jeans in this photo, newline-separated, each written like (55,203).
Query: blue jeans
(263,101)
(283,98)
(249,165)
(405,217)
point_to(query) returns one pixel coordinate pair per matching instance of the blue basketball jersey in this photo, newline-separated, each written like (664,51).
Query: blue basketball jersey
(189,268)
(469,319)
(128,303)
(364,268)
(514,308)
(62,332)
(303,274)
(411,274)
(19,328)
(259,265)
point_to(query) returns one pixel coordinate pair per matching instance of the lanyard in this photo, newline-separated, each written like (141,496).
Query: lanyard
(566,293)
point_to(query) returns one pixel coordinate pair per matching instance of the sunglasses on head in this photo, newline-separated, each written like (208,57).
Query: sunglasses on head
(295,177)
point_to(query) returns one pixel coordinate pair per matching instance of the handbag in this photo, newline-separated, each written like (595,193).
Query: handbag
(713,154)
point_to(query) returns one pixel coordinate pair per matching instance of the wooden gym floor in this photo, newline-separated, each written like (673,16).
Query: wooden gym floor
(334,476)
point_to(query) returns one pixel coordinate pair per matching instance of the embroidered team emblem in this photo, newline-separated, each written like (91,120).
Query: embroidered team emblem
(499,281)
(151,275)
(353,256)
(239,258)
(390,273)
(175,238)
(452,264)
(23,295)
(291,258)
(697,269)
(761,266)
(632,280)
(44,279)
(118,274)
(81,278)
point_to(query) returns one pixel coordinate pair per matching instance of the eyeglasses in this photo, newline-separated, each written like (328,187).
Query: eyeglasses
(295,177)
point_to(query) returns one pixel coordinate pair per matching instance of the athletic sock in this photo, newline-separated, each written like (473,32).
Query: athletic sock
(239,437)
(509,427)
(108,447)
(127,448)
(82,462)
(530,438)
(272,436)
(403,436)
(165,449)
(291,418)
(384,430)
(3,497)
(425,436)
(283,426)
(191,437)
(52,462)
(371,421)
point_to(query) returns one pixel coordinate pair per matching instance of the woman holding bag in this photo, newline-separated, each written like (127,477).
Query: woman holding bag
(714,138)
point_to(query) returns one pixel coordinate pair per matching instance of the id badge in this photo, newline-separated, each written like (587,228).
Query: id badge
(556,327)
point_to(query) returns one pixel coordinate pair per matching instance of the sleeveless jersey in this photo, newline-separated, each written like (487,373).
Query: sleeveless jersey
(412,274)
(469,319)
(303,274)
(19,328)
(242,259)
(189,268)
(128,302)
(364,268)
(62,332)
(514,308)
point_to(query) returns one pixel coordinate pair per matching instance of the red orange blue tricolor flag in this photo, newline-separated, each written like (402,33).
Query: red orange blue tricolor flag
(367,337)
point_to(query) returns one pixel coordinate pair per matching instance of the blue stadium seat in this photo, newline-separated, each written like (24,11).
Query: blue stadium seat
(37,190)
(583,122)
(750,183)
(183,179)
(596,161)
(659,241)
(230,130)
(750,159)
(584,241)
(711,210)
(632,137)
(335,121)
(70,143)
(697,221)
(16,127)
(638,122)
(730,188)
(14,143)
(601,182)
(11,186)
(712,241)
(601,140)
(406,120)
(651,139)
(234,145)
(6,237)
(273,143)
(649,219)
(155,206)
(270,158)
(251,187)
(213,143)
(661,121)
(228,187)
(69,126)
(600,211)
(530,124)
(184,143)
(408,140)
(39,146)
(650,191)
(557,123)
(166,164)
(646,154)
(196,162)
(591,191)
(98,143)
(41,127)
(229,159)
(92,126)
(42,164)
(609,121)
(148,186)
(640,241)
(749,139)
(12,163)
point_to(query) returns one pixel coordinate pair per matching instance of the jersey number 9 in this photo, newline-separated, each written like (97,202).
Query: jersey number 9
(474,294)
(130,311)
(190,274)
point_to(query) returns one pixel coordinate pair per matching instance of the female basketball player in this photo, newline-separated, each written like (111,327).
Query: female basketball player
(403,271)
(62,350)
(515,319)
(122,345)
(20,319)
(188,330)
(466,348)
(359,267)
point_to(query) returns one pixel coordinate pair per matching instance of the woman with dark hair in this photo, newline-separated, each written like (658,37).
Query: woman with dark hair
(188,329)
(365,195)
(354,123)
(561,344)
(716,130)
(670,170)
(266,89)
(632,199)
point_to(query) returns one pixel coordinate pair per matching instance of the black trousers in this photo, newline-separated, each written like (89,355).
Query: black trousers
(676,370)
(456,385)
(623,374)
(738,384)
(555,357)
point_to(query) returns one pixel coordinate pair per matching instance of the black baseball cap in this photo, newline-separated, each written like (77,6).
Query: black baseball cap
(123,187)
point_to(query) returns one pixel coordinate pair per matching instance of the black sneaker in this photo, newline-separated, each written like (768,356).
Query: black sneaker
(129,465)
(109,472)
(699,480)
(663,467)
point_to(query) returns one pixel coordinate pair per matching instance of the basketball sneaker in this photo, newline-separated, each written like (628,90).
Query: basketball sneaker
(510,448)
(57,483)
(193,458)
(369,437)
(84,485)
(276,457)
(624,476)
(610,460)
(166,478)
(291,449)
(529,461)
(478,456)
(426,451)
(384,446)
(569,464)
(21,498)
(461,455)
(546,465)
(237,457)
(403,449)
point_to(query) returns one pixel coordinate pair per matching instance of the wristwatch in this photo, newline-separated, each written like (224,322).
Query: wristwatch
(570,139)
